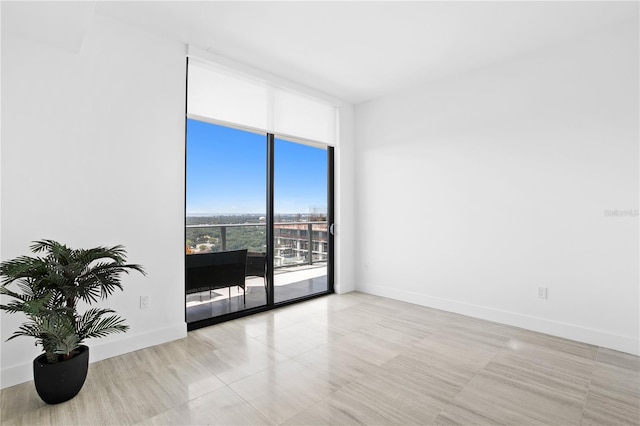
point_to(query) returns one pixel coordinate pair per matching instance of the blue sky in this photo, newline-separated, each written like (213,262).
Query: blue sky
(226,173)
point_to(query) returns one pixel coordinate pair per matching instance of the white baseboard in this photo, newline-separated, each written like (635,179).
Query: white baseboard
(102,350)
(626,344)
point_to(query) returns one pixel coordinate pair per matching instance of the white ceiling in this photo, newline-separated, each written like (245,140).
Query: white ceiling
(360,50)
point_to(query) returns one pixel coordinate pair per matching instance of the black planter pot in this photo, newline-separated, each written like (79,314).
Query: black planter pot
(63,380)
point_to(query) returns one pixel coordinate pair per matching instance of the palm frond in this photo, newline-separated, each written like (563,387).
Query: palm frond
(116,253)
(30,329)
(23,267)
(91,324)
(103,278)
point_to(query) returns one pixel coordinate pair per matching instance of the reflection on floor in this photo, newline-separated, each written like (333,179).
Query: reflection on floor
(290,283)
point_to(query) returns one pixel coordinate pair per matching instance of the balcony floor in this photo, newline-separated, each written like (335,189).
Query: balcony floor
(290,283)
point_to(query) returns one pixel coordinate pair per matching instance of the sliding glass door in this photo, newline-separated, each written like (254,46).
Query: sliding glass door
(258,216)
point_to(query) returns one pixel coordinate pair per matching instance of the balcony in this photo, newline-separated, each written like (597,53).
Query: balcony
(300,264)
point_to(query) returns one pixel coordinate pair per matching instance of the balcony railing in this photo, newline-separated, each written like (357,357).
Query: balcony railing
(295,243)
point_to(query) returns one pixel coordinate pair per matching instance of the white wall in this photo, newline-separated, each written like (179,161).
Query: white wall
(345,203)
(93,154)
(475,190)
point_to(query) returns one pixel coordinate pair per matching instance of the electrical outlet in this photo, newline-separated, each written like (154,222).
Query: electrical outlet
(144,302)
(542,292)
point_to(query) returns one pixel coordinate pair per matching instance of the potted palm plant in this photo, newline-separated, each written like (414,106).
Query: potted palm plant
(49,289)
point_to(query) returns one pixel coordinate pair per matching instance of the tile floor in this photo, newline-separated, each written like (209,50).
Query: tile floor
(351,359)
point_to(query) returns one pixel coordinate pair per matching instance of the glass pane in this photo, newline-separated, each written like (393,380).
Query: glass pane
(226,220)
(300,229)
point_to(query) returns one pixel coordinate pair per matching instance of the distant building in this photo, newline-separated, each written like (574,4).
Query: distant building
(292,242)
